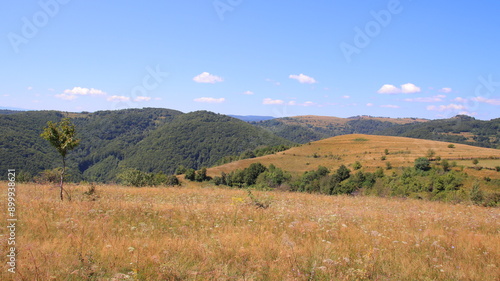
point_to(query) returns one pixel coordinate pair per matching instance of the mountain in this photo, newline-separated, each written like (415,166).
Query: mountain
(252,118)
(149,139)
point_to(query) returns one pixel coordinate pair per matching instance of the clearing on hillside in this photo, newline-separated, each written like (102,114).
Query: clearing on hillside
(371,151)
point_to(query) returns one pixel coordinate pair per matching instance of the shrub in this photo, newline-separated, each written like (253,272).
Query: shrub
(422,164)
(388,165)
(357,165)
(476,194)
(446,165)
(451,145)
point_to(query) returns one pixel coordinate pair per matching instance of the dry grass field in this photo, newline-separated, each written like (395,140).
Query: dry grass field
(198,232)
(368,150)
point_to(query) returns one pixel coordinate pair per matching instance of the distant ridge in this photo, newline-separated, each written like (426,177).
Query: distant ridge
(252,118)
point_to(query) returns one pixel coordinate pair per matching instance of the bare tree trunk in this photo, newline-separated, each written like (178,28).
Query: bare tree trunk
(62,179)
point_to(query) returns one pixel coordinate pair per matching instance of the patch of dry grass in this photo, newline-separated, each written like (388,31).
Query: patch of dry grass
(366,149)
(205,233)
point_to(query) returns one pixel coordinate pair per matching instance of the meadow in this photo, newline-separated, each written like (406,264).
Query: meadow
(199,232)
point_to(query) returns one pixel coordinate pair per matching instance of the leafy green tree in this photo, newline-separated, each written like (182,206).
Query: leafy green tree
(172,181)
(201,175)
(190,174)
(252,173)
(422,164)
(62,137)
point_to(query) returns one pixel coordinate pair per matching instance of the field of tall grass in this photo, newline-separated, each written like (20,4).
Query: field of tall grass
(200,232)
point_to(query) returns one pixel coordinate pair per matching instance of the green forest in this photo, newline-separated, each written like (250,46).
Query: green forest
(158,141)
(479,133)
(149,140)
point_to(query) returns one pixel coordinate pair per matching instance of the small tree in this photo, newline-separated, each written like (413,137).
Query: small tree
(61,136)
(430,153)
(475,161)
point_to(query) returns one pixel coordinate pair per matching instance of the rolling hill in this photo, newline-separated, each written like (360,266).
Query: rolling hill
(459,129)
(149,139)
(369,150)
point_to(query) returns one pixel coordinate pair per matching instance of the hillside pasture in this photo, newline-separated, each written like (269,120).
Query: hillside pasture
(371,151)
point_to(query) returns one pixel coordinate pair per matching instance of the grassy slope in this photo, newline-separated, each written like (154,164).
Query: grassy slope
(194,233)
(368,150)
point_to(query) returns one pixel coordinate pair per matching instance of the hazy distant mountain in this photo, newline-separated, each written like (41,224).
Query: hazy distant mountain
(252,118)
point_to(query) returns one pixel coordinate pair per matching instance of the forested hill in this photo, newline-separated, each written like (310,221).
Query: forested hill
(150,139)
(459,129)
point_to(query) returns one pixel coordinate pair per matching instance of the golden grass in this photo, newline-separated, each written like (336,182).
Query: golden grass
(195,233)
(366,149)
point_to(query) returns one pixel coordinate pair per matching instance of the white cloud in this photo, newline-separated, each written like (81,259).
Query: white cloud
(488,101)
(71,94)
(446,107)
(427,99)
(369,104)
(407,88)
(308,103)
(346,97)
(248,93)
(410,88)
(84,91)
(210,100)
(390,106)
(141,98)
(446,90)
(29,88)
(303,79)
(118,98)
(206,77)
(269,101)
(65,96)
(389,89)
(459,99)
(272,81)
(292,102)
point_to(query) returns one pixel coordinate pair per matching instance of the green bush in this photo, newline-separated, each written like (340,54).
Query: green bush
(357,165)
(422,164)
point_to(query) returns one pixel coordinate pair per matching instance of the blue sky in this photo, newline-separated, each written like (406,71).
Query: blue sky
(427,59)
